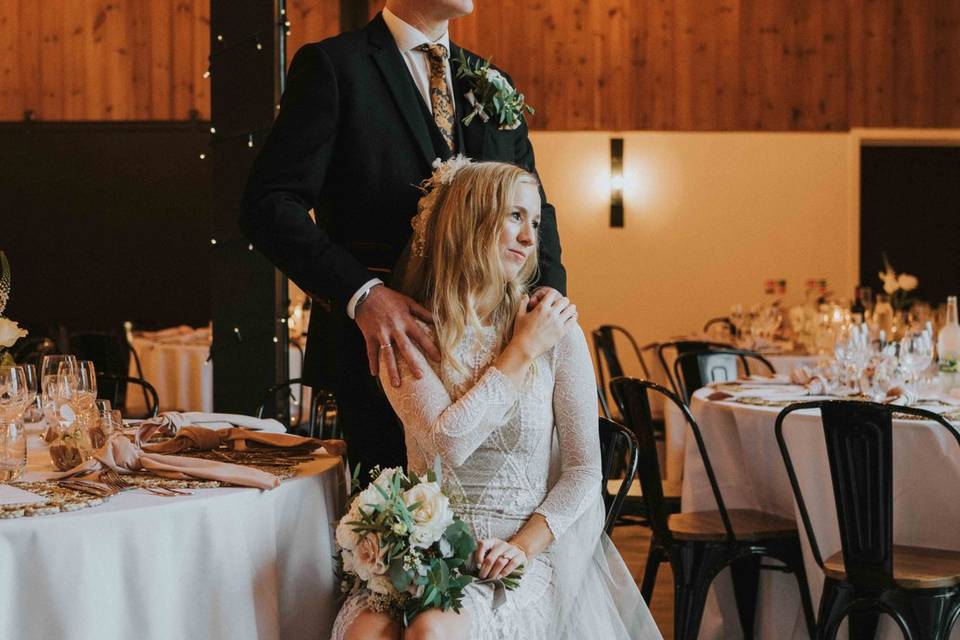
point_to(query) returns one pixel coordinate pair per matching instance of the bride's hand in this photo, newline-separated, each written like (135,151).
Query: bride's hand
(497,558)
(537,330)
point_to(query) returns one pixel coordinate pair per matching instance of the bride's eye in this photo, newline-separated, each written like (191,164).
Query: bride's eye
(515,215)
(536,224)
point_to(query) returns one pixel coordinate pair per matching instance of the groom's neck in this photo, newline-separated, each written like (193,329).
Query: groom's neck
(424,16)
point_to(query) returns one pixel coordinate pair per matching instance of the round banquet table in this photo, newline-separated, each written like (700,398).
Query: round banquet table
(741,442)
(783,363)
(225,563)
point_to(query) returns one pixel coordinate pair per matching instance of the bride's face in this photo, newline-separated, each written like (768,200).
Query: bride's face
(518,238)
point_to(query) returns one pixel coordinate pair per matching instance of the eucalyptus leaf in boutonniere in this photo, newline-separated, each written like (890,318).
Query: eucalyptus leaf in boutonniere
(491,95)
(10,331)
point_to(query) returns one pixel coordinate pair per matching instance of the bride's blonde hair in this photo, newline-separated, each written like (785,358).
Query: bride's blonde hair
(461,279)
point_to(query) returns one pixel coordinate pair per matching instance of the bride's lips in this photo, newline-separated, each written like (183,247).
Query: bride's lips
(519,254)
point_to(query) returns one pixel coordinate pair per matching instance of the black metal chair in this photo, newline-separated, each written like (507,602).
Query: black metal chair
(321,418)
(113,387)
(918,587)
(699,545)
(616,443)
(722,321)
(608,361)
(110,353)
(695,369)
(681,347)
(32,350)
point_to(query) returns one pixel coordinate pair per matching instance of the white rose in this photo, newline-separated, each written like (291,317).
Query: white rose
(348,562)
(494,76)
(346,537)
(431,517)
(368,558)
(889,278)
(10,332)
(907,282)
(381,585)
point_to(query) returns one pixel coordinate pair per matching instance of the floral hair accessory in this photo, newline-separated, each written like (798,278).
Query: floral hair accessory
(443,174)
(491,95)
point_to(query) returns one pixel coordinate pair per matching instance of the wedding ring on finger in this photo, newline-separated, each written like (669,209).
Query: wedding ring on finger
(386,346)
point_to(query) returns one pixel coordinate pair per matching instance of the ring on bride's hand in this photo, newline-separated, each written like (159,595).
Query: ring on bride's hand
(386,346)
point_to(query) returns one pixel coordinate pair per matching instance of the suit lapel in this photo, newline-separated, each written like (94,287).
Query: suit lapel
(473,136)
(397,77)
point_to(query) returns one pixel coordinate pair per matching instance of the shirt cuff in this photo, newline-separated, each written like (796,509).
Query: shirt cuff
(352,304)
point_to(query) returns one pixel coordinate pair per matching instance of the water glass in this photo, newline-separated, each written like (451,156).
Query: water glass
(13,450)
(916,355)
(51,364)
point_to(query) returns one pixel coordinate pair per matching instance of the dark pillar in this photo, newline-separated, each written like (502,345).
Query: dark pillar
(249,295)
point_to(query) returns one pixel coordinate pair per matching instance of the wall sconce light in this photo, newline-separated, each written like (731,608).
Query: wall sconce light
(616,182)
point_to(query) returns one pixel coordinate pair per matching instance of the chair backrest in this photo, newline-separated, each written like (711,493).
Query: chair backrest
(723,322)
(859,439)
(695,369)
(283,404)
(32,350)
(110,352)
(323,409)
(608,361)
(691,369)
(109,387)
(616,443)
(634,396)
(321,416)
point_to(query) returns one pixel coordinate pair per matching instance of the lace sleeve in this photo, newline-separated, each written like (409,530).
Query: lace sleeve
(575,416)
(453,430)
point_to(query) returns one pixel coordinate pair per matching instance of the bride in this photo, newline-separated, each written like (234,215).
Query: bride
(511,410)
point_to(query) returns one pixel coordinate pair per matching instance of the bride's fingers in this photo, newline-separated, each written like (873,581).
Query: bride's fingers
(496,552)
(515,562)
(483,548)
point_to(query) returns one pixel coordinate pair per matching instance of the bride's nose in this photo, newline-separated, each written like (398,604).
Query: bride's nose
(526,235)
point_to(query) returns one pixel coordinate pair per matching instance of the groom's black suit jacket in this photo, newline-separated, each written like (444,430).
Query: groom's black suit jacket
(352,140)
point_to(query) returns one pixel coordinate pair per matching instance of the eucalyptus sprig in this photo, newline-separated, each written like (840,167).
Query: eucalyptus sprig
(491,94)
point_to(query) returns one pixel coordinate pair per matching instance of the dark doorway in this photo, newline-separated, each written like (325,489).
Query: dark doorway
(910,210)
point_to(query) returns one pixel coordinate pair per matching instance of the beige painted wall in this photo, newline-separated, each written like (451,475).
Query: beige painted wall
(709,217)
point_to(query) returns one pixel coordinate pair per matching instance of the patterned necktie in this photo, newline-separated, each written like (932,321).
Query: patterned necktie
(440,98)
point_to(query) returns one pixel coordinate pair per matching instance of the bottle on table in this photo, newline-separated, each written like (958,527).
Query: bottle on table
(857,309)
(948,349)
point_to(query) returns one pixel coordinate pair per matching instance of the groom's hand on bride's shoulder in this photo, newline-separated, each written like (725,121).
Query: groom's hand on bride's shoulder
(388,321)
(539,294)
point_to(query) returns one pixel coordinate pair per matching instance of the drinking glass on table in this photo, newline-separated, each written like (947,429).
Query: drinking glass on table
(14,397)
(33,412)
(916,355)
(50,366)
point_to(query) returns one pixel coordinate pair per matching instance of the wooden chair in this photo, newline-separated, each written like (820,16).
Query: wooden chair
(616,443)
(698,545)
(113,388)
(918,587)
(695,369)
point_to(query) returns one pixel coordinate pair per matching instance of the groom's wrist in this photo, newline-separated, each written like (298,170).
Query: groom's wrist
(361,296)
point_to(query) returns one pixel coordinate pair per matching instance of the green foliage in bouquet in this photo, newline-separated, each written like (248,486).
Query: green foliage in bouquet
(408,548)
(491,94)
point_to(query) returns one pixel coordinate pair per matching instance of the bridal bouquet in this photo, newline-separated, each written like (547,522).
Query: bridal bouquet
(402,543)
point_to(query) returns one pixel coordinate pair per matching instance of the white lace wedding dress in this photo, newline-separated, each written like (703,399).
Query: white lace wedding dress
(511,453)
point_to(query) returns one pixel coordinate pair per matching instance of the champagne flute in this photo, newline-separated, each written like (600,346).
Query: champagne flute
(33,411)
(916,354)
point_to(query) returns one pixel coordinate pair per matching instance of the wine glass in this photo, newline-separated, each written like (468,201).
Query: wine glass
(33,412)
(14,393)
(916,354)
(14,396)
(86,385)
(50,365)
(737,319)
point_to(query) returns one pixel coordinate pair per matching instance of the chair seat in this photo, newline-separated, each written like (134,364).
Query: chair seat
(747,525)
(913,567)
(671,490)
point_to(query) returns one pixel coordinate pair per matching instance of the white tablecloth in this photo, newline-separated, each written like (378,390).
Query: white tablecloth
(181,374)
(743,450)
(224,563)
(676,428)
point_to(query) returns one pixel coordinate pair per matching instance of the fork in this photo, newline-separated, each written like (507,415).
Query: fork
(116,481)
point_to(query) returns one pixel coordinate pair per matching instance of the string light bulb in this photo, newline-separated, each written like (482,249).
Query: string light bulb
(206,74)
(213,129)
(250,141)
(203,156)
(219,37)
(213,241)
(259,44)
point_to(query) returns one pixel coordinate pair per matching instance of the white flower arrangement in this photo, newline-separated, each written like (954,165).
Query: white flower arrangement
(443,174)
(897,286)
(491,95)
(10,331)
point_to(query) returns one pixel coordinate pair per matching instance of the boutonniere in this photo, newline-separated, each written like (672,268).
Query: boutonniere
(491,95)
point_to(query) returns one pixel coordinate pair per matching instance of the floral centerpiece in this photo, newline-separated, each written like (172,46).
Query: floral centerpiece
(10,331)
(491,94)
(897,286)
(402,543)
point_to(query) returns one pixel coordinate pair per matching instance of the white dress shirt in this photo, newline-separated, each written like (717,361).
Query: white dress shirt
(408,38)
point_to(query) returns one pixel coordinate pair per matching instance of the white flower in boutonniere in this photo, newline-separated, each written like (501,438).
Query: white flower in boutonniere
(491,95)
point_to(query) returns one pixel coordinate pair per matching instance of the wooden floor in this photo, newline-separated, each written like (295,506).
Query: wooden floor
(633,541)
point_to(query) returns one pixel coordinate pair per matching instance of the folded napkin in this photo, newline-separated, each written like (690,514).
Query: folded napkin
(202,439)
(815,383)
(169,422)
(123,456)
(900,396)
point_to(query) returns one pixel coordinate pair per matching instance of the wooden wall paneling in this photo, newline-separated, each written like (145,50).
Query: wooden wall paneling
(118,64)
(75,35)
(139,28)
(52,77)
(161,54)
(181,63)
(829,93)
(871,68)
(94,20)
(912,47)
(947,64)
(311,21)
(608,88)
(655,87)
(11,97)
(29,56)
(200,32)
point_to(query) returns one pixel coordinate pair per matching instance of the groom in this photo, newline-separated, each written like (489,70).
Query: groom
(363,117)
